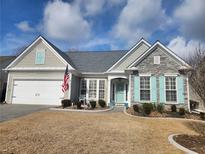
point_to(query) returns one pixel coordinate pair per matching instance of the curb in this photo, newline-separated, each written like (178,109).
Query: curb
(85,111)
(161,118)
(173,142)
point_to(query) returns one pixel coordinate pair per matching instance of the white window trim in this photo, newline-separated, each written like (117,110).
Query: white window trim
(101,89)
(146,101)
(97,88)
(145,74)
(40,51)
(171,74)
(171,102)
(157,60)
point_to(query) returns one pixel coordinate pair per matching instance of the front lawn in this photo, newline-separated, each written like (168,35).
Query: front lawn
(72,132)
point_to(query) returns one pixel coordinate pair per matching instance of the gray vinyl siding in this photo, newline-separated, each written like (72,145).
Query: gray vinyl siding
(75,84)
(30,75)
(131,58)
(51,60)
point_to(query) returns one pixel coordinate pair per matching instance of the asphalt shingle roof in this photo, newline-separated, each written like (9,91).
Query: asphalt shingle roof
(94,61)
(85,61)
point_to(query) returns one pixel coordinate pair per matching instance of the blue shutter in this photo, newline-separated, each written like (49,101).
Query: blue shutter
(180,89)
(136,88)
(40,57)
(162,89)
(153,89)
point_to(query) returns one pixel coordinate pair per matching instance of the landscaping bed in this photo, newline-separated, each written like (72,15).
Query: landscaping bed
(74,107)
(154,112)
(193,142)
(91,105)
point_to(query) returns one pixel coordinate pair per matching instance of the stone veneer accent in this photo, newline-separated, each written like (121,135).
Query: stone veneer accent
(167,65)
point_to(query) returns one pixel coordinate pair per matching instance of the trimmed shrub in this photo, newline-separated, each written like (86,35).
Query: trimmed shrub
(181,111)
(202,116)
(102,103)
(93,104)
(65,103)
(136,108)
(147,108)
(160,108)
(173,108)
(79,105)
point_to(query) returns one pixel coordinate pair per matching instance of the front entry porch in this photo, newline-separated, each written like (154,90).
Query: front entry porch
(119,91)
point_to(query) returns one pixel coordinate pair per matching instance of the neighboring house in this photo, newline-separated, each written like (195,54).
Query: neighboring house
(4,62)
(145,73)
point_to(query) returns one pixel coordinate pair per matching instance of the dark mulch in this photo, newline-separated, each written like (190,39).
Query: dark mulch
(85,108)
(165,114)
(193,142)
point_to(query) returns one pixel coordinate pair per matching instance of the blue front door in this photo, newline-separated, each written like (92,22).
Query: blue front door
(120,92)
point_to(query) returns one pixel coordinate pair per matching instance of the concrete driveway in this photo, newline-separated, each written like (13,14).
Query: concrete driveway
(10,111)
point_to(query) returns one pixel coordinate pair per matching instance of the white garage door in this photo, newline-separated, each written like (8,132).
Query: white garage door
(39,92)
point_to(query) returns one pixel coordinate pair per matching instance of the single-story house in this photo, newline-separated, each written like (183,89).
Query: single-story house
(144,73)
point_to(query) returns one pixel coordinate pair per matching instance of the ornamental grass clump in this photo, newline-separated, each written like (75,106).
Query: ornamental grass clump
(160,108)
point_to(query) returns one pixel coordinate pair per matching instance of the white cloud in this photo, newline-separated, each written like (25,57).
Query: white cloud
(139,19)
(191,17)
(90,7)
(64,21)
(95,7)
(184,48)
(24,26)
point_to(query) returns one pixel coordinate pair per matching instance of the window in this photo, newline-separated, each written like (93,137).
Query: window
(156,59)
(102,89)
(92,88)
(171,93)
(145,88)
(83,88)
(40,57)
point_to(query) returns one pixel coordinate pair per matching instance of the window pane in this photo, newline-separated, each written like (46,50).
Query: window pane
(145,88)
(83,87)
(101,89)
(144,83)
(171,89)
(145,95)
(171,96)
(92,88)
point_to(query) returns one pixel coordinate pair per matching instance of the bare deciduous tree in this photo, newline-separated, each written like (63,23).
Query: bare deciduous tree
(197,74)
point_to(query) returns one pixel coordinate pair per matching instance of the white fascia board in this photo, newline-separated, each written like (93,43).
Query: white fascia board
(37,68)
(171,74)
(45,42)
(165,48)
(141,41)
(145,74)
(17,58)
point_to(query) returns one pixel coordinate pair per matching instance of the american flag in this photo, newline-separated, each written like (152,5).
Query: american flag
(65,84)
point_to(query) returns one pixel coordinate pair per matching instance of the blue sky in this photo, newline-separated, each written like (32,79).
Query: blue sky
(102,24)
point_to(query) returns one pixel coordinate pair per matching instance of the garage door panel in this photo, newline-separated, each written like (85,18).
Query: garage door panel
(46,92)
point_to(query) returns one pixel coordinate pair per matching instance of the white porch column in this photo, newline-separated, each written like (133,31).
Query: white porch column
(129,90)
(108,90)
